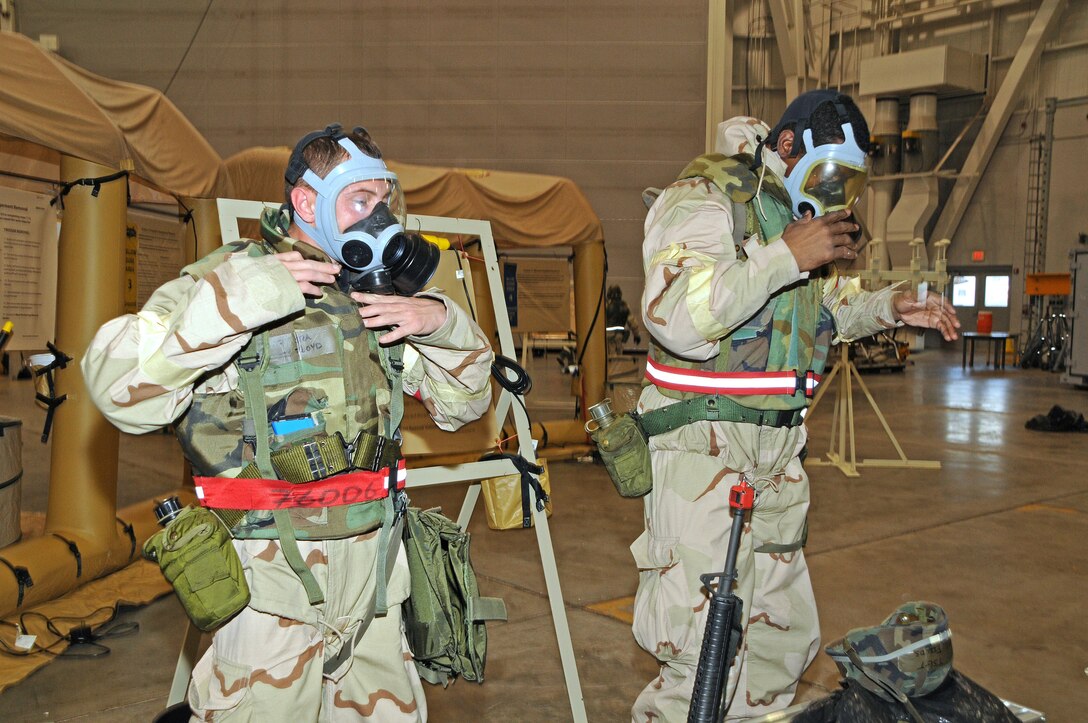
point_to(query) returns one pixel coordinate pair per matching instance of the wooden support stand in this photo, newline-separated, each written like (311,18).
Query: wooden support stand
(842,453)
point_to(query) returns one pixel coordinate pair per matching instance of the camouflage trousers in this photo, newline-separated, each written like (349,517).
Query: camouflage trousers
(687,526)
(282,659)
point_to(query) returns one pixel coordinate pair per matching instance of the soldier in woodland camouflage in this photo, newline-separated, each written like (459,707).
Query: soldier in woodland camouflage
(327,356)
(747,314)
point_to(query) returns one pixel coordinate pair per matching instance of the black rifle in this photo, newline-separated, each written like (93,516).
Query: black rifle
(724,622)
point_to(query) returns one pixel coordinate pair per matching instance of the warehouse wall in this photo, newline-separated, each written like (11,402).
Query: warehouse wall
(610,93)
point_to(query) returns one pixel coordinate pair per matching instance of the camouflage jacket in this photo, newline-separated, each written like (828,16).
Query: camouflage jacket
(174,356)
(701,288)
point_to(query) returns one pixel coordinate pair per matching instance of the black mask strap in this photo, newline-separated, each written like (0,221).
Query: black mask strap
(296,166)
(758,160)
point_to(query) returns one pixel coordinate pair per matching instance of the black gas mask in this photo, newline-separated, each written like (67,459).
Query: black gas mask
(408,260)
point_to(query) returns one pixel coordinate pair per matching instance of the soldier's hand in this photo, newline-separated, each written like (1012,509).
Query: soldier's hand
(935,312)
(309,274)
(817,241)
(407,315)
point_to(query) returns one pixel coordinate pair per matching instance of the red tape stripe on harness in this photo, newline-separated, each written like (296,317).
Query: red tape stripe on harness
(237,493)
(734,383)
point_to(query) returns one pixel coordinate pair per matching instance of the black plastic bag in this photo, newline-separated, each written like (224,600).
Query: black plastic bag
(958,700)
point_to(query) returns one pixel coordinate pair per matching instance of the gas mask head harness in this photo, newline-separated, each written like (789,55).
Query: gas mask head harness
(827,177)
(375,251)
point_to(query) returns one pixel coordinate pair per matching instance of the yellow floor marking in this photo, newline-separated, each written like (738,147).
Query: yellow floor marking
(622,609)
(1037,507)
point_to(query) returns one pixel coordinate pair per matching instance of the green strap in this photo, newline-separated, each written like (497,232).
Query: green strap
(312,459)
(488,608)
(783,548)
(778,548)
(393,522)
(714,407)
(388,547)
(320,457)
(433,677)
(289,546)
(374,452)
(251,365)
(740,223)
(394,356)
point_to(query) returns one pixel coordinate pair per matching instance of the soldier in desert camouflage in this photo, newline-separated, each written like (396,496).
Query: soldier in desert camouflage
(321,638)
(742,301)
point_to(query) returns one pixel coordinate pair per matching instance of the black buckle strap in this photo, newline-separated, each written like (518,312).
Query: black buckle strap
(22,577)
(530,477)
(779,417)
(95,184)
(51,402)
(131,532)
(13,480)
(74,549)
(803,379)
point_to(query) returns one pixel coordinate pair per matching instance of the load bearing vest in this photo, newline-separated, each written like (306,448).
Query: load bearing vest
(772,362)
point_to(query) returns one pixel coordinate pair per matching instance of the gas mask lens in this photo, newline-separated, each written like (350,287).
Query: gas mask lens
(363,198)
(834,185)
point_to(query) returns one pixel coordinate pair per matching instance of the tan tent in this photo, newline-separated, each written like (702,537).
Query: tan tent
(60,123)
(53,103)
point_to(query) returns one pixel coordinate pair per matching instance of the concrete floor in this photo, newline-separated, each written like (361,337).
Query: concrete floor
(995,536)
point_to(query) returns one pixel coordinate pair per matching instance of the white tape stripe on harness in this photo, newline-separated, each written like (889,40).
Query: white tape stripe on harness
(873,659)
(687,380)
(402,476)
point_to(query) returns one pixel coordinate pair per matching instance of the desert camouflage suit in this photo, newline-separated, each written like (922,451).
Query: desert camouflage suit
(702,290)
(281,658)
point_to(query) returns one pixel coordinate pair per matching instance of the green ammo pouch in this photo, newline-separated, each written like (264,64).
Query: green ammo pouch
(197,557)
(444,614)
(625,453)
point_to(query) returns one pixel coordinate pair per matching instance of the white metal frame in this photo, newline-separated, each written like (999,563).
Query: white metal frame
(229,213)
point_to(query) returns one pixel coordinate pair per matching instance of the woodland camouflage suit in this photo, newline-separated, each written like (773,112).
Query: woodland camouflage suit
(171,362)
(706,296)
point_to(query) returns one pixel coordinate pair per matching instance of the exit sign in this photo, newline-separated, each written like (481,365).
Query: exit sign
(978,255)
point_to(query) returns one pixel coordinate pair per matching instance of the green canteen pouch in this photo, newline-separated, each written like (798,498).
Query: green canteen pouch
(197,557)
(626,456)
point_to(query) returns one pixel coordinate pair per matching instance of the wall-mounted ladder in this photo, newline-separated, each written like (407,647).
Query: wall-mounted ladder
(1038,209)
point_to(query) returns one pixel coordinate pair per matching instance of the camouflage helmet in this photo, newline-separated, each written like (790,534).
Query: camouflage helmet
(907,656)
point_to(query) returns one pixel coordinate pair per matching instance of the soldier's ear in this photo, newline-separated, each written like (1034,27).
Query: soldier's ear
(785,144)
(303,200)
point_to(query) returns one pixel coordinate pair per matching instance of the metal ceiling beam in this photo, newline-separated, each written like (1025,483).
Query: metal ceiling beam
(993,125)
(719,68)
(788,16)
